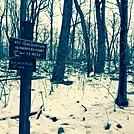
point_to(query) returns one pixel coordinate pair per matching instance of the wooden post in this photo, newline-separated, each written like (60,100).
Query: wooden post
(25,87)
(23,59)
(25,102)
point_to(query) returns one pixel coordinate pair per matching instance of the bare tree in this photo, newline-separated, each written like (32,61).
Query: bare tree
(121,99)
(1,44)
(72,37)
(62,52)
(111,44)
(85,36)
(14,18)
(33,11)
(7,26)
(51,30)
(100,15)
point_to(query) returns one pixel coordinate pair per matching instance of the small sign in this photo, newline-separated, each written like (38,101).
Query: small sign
(22,64)
(27,48)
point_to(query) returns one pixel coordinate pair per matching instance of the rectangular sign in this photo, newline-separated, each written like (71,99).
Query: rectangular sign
(22,64)
(26,48)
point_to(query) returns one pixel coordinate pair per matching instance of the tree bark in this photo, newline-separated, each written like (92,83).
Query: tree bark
(1,44)
(100,15)
(121,99)
(51,31)
(62,52)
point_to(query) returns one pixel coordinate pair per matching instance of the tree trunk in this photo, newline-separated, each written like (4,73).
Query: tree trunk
(72,38)
(62,52)
(51,31)
(1,44)
(100,15)
(85,36)
(121,99)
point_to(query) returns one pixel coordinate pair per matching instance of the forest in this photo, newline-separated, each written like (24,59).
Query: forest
(66,66)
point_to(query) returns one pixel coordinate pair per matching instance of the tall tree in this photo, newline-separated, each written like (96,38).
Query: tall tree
(111,44)
(34,9)
(51,30)
(62,52)
(1,44)
(121,99)
(100,16)
(6,14)
(85,36)
(72,36)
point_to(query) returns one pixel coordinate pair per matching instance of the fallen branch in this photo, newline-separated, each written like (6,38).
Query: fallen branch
(17,116)
(14,78)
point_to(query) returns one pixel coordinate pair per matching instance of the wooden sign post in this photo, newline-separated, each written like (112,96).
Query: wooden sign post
(23,54)
(25,102)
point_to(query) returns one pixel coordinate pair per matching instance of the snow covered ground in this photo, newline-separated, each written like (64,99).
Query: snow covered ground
(86,106)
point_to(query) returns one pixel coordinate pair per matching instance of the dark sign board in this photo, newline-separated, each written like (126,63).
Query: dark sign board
(27,48)
(22,64)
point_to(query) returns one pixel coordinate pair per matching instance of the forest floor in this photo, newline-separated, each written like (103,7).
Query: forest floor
(84,107)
